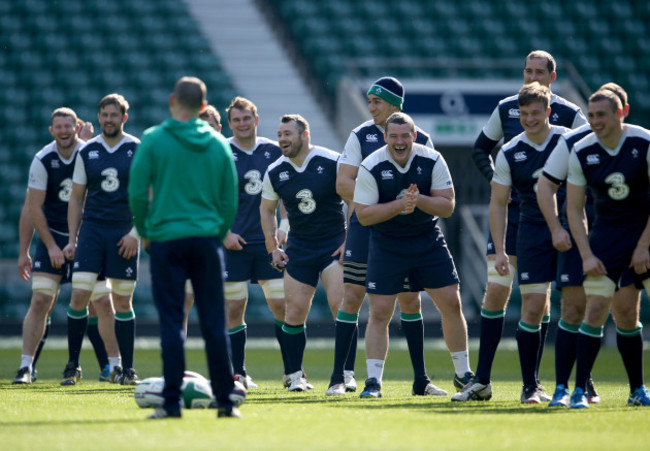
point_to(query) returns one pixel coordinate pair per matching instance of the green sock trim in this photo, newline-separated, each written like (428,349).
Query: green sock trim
(77,314)
(278,322)
(573,328)
(126,316)
(596,332)
(546,319)
(293,330)
(347,317)
(630,333)
(493,314)
(239,328)
(532,328)
(410,316)
(92,320)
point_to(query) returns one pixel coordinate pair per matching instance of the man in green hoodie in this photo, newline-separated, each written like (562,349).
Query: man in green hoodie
(189,170)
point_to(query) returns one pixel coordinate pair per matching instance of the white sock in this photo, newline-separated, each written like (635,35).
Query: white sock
(461,362)
(375,369)
(348,373)
(114,362)
(26,361)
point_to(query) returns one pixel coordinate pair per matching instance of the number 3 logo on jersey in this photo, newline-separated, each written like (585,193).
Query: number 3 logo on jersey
(619,190)
(111,182)
(66,190)
(307,203)
(254,185)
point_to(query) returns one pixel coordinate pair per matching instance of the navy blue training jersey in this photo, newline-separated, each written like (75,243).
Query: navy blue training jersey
(251,166)
(617,177)
(51,173)
(520,163)
(308,192)
(381,180)
(105,172)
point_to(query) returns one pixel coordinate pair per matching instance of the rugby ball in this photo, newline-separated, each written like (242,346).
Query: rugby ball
(193,374)
(148,393)
(197,393)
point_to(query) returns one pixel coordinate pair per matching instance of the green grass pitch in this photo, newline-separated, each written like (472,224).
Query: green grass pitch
(98,416)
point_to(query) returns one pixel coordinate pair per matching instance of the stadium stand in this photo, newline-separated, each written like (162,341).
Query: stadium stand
(605,41)
(75,52)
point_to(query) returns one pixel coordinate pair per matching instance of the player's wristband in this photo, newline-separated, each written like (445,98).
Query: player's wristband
(284,225)
(134,233)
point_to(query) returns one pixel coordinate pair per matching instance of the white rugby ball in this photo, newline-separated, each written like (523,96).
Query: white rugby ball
(148,393)
(193,374)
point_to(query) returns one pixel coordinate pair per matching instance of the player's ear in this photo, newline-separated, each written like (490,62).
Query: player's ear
(125,118)
(626,110)
(553,76)
(548,111)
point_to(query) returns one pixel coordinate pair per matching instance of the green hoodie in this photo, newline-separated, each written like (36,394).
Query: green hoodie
(188,169)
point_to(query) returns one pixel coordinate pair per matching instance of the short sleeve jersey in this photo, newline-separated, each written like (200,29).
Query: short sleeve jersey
(504,122)
(308,192)
(105,172)
(520,163)
(367,138)
(381,180)
(617,177)
(251,166)
(51,173)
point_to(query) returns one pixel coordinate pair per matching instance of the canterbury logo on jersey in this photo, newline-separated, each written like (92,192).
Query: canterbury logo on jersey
(520,156)
(525,276)
(372,138)
(593,159)
(55,164)
(93,154)
(284,176)
(513,112)
(372,286)
(386,174)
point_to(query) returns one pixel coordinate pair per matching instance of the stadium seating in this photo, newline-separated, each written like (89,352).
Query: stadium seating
(75,52)
(605,41)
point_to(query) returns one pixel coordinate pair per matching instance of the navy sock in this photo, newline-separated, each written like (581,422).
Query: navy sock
(277,327)
(125,333)
(491,332)
(413,327)
(528,340)
(295,339)
(587,347)
(344,334)
(352,352)
(77,322)
(631,349)
(37,354)
(238,344)
(96,340)
(565,352)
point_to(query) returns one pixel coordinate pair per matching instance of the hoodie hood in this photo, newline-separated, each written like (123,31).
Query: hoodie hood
(194,134)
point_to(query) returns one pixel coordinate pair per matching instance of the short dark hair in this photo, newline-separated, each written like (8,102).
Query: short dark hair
(605,94)
(616,89)
(210,110)
(543,54)
(241,103)
(534,92)
(190,92)
(400,118)
(64,112)
(115,99)
(300,121)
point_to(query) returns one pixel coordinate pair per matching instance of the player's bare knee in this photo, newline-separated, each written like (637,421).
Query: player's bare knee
(572,313)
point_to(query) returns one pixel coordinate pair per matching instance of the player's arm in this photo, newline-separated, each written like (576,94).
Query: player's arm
(482,155)
(441,202)
(283,228)
(35,201)
(547,201)
(269,220)
(641,257)
(25,236)
(75,210)
(498,216)
(576,191)
(345,181)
